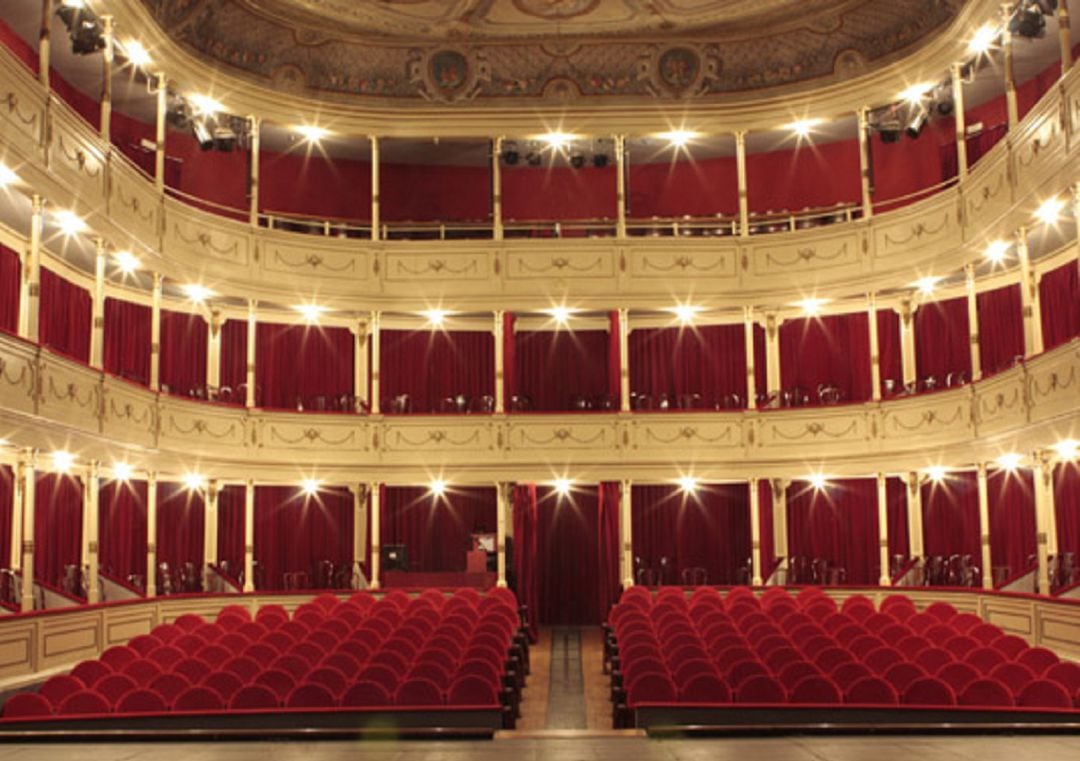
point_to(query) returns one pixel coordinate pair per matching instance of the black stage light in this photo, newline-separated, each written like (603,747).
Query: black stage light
(1028,21)
(577,161)
(915,126)
(600,160)
(201,129)
(84,28)
(532,158)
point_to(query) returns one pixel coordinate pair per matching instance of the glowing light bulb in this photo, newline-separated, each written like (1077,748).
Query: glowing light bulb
(927,285)
(678,138)
(996,251)
(69,222)
(818,481)
(312,133)
(126,261)
(803,127)
(1049,211)
(136,53)
(1010,461)
(557,139)
(310,312)
(197,293)
(437,487)
(562,486)
(310,486)
(688,484)
(1067,449)
(983,39)
(916,92)
(7,176)
(194,482)
(685,313)
(937,473)
(435,317)
(812,307)
(561,315)
(204,105)
(122,471)
(63,461)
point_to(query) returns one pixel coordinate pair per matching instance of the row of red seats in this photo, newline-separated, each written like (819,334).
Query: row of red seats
(782,649)
(425,651)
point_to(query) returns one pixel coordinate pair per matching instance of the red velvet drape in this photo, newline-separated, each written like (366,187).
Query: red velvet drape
(10,281)
(699,187)
(769,559)
(181,515)
(558,193)
(1059,302)
(942,339)
(709,360)
(294,532)
(1012,521)
(127,340)
(608,583)
(553,368)
(420,192)
(65,317)
(230,527)
(761,362)
(58,511)
(436,530)
(896,496)
(614,358)
(811,174)
(890,353)
(183,352)
(296,363)
(509,359)
(525,548)
(950,513)
(838,523)
(568,557)
(708,529)
(432,365)
(234,358)
(122,529)
(7,514)
(1001,328)
(1067,506)
(829,350)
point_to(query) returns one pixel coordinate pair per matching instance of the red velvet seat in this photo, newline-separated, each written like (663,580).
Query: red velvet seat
(821,609)
(358,651)
(895,633)
(308,652)
(144,643)
(82,703)
(380,675)
(1010,646)
(830,658)
(860,647)
(649,688)
(882,659)
(343,662)
(814,689)
(166,657)
(169,686)
(894,602)
(871,690)
(912,645)
(198,699)
(91,672)
(291,664)
(189,643)
(223,683)
(1014,676)
(760,689)
(878,622)
(193,669)
(933,659)
(366,694)
(814,645)
(984,660)
(900,675)
(114,686)
(961,646)
(739,672)
(928,691)
(704,688)
(940,633)
(234,643)
(254,697)
(166,633)
(253,631)
(1066,674)
(920,622)
(795,672)
(781,657)
(58,687)
(141,701)
(142,671)
(118,656)
(942,611)
(323,641)
(213,656)
(1043,693)
(847,674)
(271,616)
(278,640)
(27,705)
(281,683)
(858,607)
(244,668)
(985,634)
(310,696)
(1038,659)
(472,691)
(957,675)
(963,623)
(986,693)
(189,622)
(330,678)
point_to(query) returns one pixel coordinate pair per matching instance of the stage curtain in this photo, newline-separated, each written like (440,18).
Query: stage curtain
(127,340)
(838,523)
(122,529)
(708,529)
(769,559)
(761,362)
(230,526)
(1001,328)
(523,501)
(299,362)
(1012,519)
(832,349)
(1067,506)
(890,353)
(431,365)
(181,516)
(295,532)
(554,367)
(942,339)
(58,513)
(437,531)
(7,514)
(183,352)
(608,584)
(897,512)
(1059,302)
(709,360)
(950,512)
(234,358)
(10,282)
(65,316)
(567,556)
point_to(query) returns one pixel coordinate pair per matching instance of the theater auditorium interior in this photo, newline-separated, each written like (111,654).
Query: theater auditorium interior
(539,378)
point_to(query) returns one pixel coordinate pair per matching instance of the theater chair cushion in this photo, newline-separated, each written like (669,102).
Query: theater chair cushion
(27,705)
(141,701)
(253,697)
(871,690)
(928,691)
(1043,693)
(986,693)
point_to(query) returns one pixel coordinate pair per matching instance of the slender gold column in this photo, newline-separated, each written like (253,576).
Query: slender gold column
(210,530)
(375,187)
(155,334)
(255,125)
(1029,297)
(44,43)
(740,167)
(376,536)
(1009,68)
(875,349)
(624,359)
(864,165)
(755,532)
(360,361)
(984,528)
(620,178)
(97,330)
(908,362)
(973,322)
(249,379)
(496,189)
(497,329)
(213,351)
(29,479)
(249,536)
(30,301)
(376,354)
(1045,522)
(958,116)
(626,529)
(1064,36)
(360,497)
(914,506)
(17,486)
(885,579)
(108,34)
(779,506)
(90,531)
(500,532)
(151,534)
(159,132)
(748,347)
(772,352)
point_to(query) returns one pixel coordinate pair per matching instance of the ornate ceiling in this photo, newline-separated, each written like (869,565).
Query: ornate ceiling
(482,50)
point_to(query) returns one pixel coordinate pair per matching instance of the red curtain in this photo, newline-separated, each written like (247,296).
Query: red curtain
(1059,302)
(431,365)
(614,358)
(234,357)
(761,362)
(65,315)
(230,526)
(896,498)
(838,523)
(769,559)
(181,515)
(1067,506)
(10,281)
(509,359)
(695,186)
(808,175)
(525,548)
(296,363)
(183,352)
(437,531)
(1012,520)
(829,350)
(7,514)
(127,340)
(708,529)
(890,354)
(567,556)
(295,533)
(608,583)
(1001,328)
(553,368)
(942,339)
(58,512)
(709,360)
(950,512)
(558,193)
(418,192)
(122,529)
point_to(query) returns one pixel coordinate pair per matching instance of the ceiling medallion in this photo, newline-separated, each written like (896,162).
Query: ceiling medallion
(679,71)
(556,9)
(448,74)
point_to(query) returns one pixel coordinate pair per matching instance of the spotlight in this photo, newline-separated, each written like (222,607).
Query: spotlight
(890,134)
(7,176)
(436,317)
(1067,449)
(917,123)
(200,128)
(1028,21)
(310,486)
(136,53)
(562,486)
(561,315)
(310,312)
(915,93)
(63,461)
(312,133)
(204,105)
(1010,461)
(818,481)
(600,160)
(84,28)
(510,154)
(926,285)
(1049,212)
(937,473)
(685,313)
(811,307)
(194,482)
(997,251)
(437,487)
(197,293)
(688,484)
(122,471)
(577,160)
(69,222)
(126,261)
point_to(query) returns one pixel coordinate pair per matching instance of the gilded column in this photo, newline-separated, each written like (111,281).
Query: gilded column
(772,353)
(376,536)
(498,331)
(255,125)
(30,301)
(17,490)
(864,165)
(249,536)
(496,189)
(620,179)
(875,348)
(973,321)
(1009,67)
(210,530)
(1064,36)
(97,330)
(151,534)
(1029,297)
(44,43)
(779,506)
(360,495)
(29,478)
(375,187)
(213,350)
(624,359)
(626,530)
(376,354)
(155,335)
(748,346)
(883,529)
(360,361)
(984,528)
(755,532)
(252,334)
(740,166)
(1045,521)
(500,532)
(958,116)
(914,514)
(107,33)
(92,487)
(907,342)
(159,133)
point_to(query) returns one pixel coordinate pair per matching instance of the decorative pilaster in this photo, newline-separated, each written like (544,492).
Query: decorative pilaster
(958,116)
(626,530)
(108,55)
(740,167)
(376,536)
(17,487)
(973,321)
(249,536)
(360,497)
(496,189)
(374,188)
(92,487)
(28,477)
(249,377)
(755,532)
(624,359)
(30,301)
(875,349)
(883,529)
(779,506)
(984,528)
(155,334)
(255,125)
(151,534)
(376,358)
(97,329)
(908,364)
(620,179)
(44,43)
(1029,297)
(864,164)
(500,532)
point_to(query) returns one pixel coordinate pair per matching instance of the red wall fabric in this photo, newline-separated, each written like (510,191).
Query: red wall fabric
(1067,506)
(567,553)
(436,530)
(942,339)
(1001,328)
(234,357)
(295,533)
(950,512)
(1059,302)
(890,353)
(432,365)
(608,581)
(558,193)
(230,526)
(510,383)
(308,183)
(761,362)
(523,500)
(17,45)
(10,282)
(709,360)
(908,166)
(181,516)
(554,367)
(296,363)
(615,359)
(183,352)
(89,109)
(897,503)
(122,530)
(414,192)
(215,176)
(127,340)
(769,559)
(833,349)
(7,513)
(65,316)
(1012,520)
(708,529)
(127,133)
(58,511)
(839,524)
(809,175)
(699,188)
